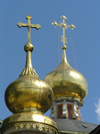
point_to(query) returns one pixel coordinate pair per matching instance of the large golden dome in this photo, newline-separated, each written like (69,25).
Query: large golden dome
(66,81)
(29,98)
(28,93)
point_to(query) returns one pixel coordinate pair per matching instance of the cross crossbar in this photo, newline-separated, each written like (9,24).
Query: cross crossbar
(28,25)
(64,26)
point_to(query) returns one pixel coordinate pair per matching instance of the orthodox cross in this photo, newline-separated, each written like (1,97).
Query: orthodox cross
(64,26)
(28,70)
(29,26)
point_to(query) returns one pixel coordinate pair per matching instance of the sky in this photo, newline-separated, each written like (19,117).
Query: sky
(83,47)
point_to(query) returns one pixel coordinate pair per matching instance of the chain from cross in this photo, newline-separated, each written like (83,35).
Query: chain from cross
(29,26)
(64,26)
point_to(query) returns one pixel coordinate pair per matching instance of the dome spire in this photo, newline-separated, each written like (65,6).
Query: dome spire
(63,38)
(28,47)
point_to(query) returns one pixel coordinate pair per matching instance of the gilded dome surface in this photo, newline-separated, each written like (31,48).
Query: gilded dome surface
(28,93)
(66,81)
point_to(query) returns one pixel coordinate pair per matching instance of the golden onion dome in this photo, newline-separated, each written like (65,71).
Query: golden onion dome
(28,98)
(28,92)
(65,81)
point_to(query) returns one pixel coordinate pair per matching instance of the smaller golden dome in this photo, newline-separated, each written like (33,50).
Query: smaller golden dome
(66,81)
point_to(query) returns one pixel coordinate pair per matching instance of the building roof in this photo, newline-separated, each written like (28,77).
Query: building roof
(96,130)
(72,126)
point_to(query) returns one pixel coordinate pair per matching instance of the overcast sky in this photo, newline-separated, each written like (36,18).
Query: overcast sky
(83,47)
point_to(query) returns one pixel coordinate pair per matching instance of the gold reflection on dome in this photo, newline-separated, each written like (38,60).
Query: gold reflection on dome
(39,118)
(75,75)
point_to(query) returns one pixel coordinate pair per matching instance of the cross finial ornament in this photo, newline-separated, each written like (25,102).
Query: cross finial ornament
(64,26)
(29,26)
(28,70)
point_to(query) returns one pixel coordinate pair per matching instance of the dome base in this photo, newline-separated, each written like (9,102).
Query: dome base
(31,122)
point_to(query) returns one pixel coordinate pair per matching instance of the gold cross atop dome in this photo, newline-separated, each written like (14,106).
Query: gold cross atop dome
(64,26)
(28,47)
(29,26)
